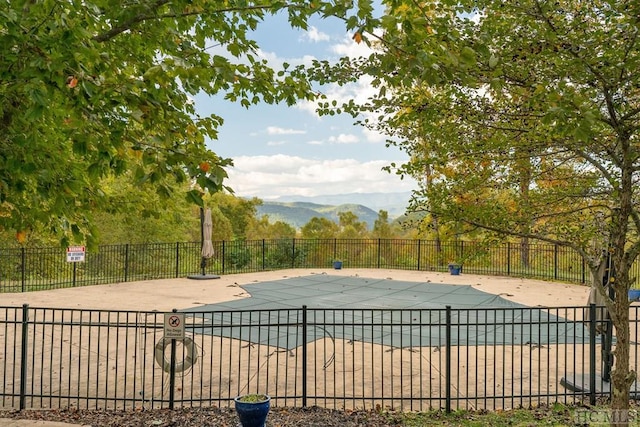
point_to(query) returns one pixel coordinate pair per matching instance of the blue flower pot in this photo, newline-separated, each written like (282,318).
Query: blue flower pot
(253,414)
(634,294)
(337,265)
(455,269)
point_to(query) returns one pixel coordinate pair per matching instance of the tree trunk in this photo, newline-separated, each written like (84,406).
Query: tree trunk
(621,377)
(436,229)
(524,252)
(524,168)
(435,225)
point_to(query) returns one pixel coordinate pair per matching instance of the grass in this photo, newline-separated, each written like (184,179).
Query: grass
(557,415)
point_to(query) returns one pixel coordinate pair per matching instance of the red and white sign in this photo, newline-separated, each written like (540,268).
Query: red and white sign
(75,253)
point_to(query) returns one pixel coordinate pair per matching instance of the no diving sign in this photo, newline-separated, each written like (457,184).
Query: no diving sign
(174,326)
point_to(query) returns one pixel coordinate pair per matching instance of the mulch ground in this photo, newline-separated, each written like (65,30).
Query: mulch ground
(210,416)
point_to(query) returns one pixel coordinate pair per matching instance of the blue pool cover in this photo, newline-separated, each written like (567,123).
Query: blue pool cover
(383,311)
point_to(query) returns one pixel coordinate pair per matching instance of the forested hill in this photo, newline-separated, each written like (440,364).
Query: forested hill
(297,214)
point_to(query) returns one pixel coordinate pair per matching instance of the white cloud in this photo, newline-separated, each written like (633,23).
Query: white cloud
(344,138)
(349,47)
(274,130)
(276,61)
(315,35)
(307,106)
(373,136)
(272,176)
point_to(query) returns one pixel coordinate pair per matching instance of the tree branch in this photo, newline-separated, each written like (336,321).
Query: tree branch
(127,25)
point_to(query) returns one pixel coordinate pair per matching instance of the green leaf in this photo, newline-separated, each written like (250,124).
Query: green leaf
(195,197)
(468,55)
(88,88)
(493,61)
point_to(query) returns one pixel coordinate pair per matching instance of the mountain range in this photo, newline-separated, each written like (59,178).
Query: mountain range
(298,210)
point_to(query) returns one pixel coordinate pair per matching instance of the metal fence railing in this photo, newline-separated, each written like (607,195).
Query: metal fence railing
(494,358)
(25,269)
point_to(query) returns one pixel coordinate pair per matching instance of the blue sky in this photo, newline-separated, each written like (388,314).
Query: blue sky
(279,150)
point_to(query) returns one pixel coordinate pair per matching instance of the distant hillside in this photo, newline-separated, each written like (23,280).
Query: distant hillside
(298,214)
(394,203)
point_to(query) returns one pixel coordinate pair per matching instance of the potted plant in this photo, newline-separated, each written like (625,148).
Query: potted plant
(252,409)
(455,268)
(337,264)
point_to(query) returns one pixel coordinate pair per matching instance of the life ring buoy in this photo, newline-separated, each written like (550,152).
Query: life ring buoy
(165,363)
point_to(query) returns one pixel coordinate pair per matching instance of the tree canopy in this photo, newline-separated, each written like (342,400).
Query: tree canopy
(521,118)
(95,88)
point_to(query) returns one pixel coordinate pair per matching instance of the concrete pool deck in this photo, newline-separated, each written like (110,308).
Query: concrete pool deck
(183,293)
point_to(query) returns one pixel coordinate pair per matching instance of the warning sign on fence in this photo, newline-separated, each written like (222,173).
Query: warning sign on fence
(75,253)
(174,325)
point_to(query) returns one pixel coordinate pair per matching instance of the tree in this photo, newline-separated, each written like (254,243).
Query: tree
(97,88)
(281,230)
(381,227)
(350,226)
(222,229)
(263,229)
(135,215)
(531,113)
(319,228)
(241,213)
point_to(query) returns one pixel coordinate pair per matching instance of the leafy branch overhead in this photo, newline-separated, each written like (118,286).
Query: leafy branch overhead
(98,88)
(521,119)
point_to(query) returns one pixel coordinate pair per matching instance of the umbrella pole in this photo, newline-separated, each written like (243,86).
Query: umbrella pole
(203,260)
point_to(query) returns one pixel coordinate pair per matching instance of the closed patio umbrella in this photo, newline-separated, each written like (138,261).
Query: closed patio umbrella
(207,229)
(206,252)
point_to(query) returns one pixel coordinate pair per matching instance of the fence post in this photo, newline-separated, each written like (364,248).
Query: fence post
(224,248)
(264,254)
(172,370)
(23,261)
(74,274)
(304,356)
(592,354)
(177,259)
(293,253)
(447,372)
(23,356)
(126,262)
(508,258)
(419,247)
(555,262)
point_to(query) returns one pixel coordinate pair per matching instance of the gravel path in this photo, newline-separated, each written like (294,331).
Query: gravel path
(205,417)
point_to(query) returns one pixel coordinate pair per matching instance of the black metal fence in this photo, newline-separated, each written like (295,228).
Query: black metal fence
(26,269)
(357,358)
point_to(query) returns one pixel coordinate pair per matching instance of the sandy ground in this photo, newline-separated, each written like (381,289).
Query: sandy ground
(165,295)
